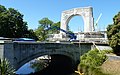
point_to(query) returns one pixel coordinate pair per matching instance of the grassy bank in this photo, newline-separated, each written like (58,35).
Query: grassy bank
(111,67)
(92,61)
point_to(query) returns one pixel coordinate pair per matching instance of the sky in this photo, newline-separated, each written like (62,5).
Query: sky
(35,10)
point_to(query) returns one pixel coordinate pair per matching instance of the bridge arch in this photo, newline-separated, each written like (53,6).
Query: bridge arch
(52,52)
(86,13)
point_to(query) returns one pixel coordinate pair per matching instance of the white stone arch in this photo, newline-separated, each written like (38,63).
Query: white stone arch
(68,20)
(85,12)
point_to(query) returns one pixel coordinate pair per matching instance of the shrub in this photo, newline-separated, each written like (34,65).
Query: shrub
(5,67)
(91,61)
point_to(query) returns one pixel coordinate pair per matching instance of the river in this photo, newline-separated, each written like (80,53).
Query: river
(26,69)
(54,69)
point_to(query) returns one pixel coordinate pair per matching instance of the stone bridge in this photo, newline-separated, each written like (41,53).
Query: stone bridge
(19,53)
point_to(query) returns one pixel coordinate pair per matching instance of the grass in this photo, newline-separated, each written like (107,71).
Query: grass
(111,67)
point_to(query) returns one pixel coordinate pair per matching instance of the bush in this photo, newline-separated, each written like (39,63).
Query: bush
(91,61)
(5,67)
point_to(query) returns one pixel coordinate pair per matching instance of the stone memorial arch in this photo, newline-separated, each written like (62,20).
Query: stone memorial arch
(85,12)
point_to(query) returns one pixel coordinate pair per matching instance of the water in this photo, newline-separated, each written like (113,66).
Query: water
(61,66)
(25,69)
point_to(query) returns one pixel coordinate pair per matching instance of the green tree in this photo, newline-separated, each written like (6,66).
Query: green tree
(41,32)
(45,22)
(54,30)
(38,65)
(5,68)
(113,34)
(11,23)
(31,34)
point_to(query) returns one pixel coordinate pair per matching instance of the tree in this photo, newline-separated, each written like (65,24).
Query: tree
(38,65)
(31,34)
(45,22)
(41,32)
(5,68)
(11,23)
(113,34)
(54,30)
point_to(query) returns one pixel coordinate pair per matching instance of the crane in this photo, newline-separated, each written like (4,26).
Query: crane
(96,23)
(72,35)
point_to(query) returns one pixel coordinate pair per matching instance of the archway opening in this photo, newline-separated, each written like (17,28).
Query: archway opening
(76,24)
(50,64)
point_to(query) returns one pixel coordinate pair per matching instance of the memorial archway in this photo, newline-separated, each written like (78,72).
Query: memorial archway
(86,13)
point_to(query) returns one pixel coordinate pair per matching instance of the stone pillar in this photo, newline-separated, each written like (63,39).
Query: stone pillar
(1,49)
(7,51)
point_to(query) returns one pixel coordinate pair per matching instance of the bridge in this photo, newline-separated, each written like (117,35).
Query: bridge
(19,53)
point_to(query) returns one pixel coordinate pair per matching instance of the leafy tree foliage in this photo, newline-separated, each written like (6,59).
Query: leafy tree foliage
(31,34)
(113,34)
(45,22)
(38,65)
(54,30)
(11,23)
(5,68)
(42,31)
